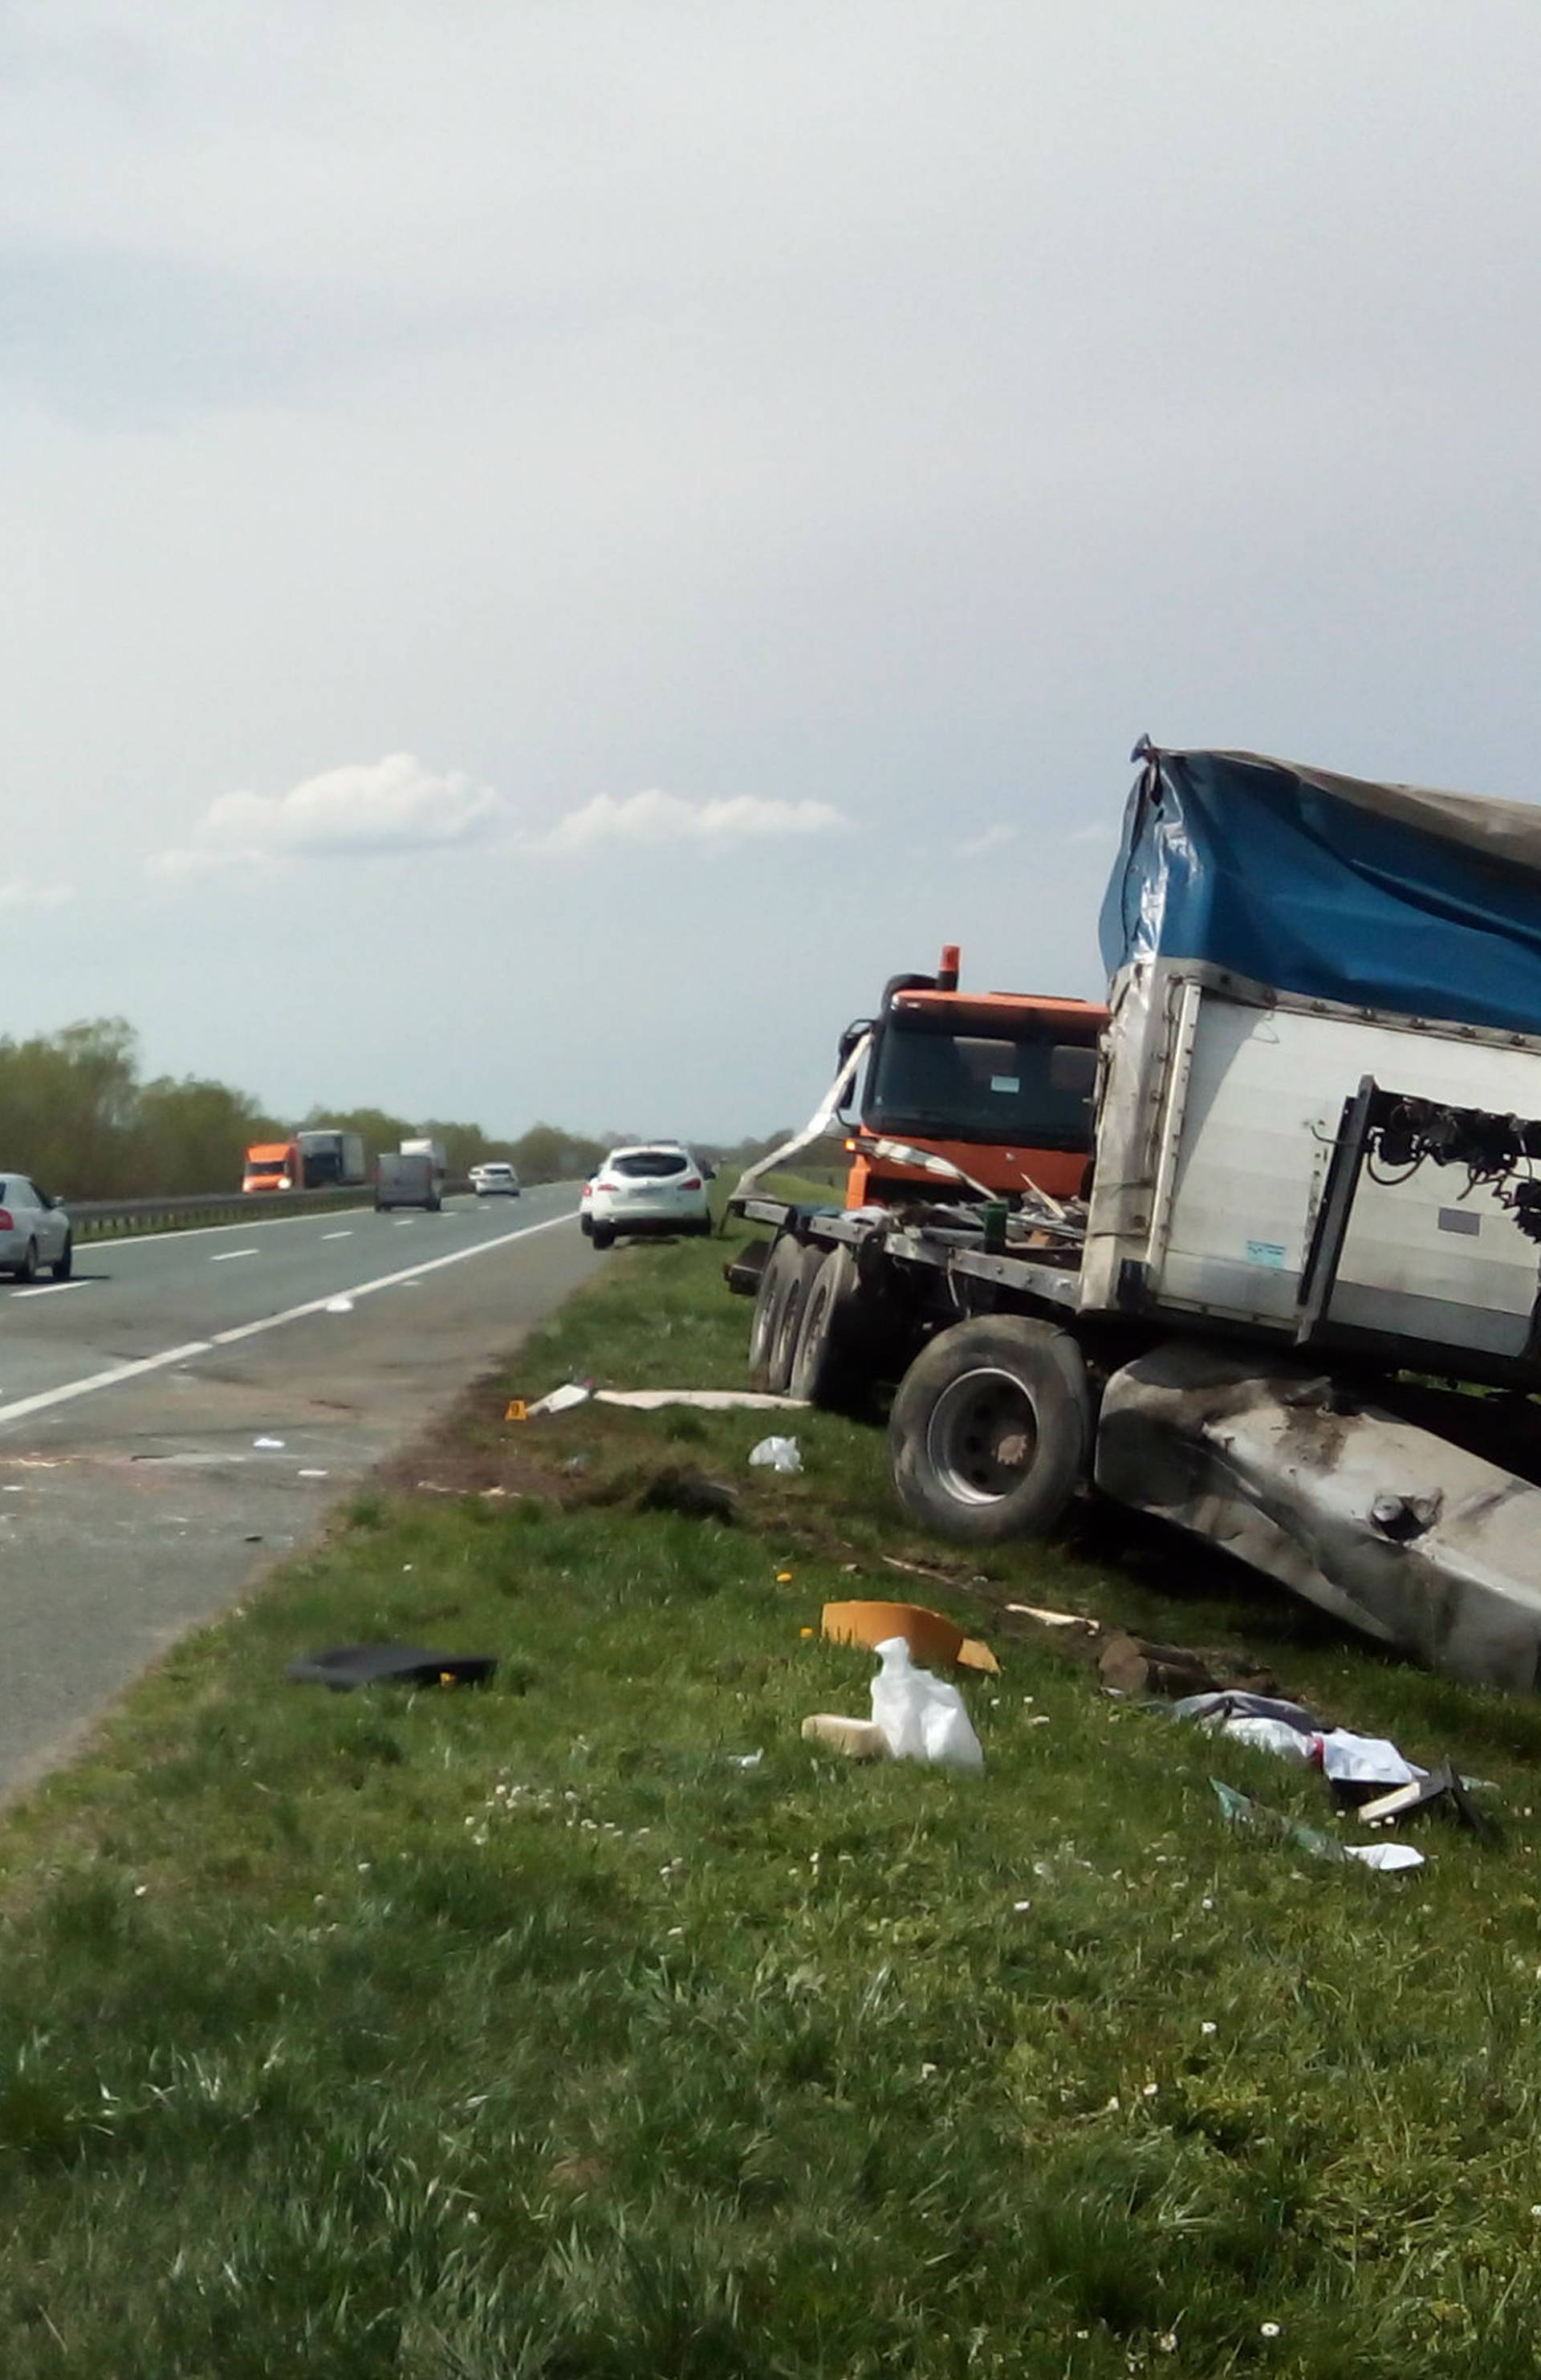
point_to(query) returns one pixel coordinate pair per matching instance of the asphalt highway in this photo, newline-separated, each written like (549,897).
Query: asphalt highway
(135,1498)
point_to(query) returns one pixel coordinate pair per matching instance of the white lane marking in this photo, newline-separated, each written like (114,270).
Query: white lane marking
(336,1235)
(73,1388)
(365,1289)
(403,1222)
(25,1405)
(53,1288)
(228,1255)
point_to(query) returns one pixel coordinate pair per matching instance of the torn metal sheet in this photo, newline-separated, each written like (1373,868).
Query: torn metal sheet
(1416,1541)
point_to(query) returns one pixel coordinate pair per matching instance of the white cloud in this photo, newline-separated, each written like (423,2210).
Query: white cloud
(367,809)
(1101,833)
(670,817)
(24,894)
(993,838)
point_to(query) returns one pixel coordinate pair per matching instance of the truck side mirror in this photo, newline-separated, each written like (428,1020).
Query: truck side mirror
(849,1039)
(1073,1067)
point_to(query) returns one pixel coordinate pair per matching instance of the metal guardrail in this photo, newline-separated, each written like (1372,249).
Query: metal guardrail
(99,1218)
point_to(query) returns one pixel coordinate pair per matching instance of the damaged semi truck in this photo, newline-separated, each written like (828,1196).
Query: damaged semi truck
(1297,1311)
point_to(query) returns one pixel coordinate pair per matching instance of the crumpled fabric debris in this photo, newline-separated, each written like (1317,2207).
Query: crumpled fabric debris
(1295,1733)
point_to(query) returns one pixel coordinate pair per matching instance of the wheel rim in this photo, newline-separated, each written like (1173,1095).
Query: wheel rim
(983,1436)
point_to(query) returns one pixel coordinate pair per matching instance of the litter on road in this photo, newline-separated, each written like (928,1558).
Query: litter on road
(269,1445)
(312,1475)
(339,1305)
(776,1454)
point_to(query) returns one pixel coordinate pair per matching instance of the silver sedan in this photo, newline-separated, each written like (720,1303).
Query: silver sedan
(34,1231)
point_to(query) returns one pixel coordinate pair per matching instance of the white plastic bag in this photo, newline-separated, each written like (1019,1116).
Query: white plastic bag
(922,1717)
(780,1453)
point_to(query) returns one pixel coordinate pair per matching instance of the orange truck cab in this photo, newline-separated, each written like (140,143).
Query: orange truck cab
(973,1077)
(273,1165)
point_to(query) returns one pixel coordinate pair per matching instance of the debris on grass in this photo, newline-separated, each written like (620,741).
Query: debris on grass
(1366,1773)
(776,1454)
(561,1400)
(922,1717)
(1242,1811)
(703,1400)
(926,1632)
(1138,1668)
(691,1493)
(857,1739)
(344,1667)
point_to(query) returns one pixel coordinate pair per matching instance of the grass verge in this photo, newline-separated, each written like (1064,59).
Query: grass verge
(527,2033)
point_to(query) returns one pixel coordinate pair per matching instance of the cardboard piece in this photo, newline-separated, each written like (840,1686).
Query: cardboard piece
(928,1635)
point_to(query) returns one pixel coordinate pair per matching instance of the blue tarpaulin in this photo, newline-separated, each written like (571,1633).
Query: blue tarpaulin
(1383,896)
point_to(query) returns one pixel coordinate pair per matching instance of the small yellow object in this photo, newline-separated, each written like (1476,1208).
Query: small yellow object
(446,1677)
(805,1632)
(783,1578)
(516,1410)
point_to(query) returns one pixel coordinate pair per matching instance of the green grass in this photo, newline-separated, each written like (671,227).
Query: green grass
(524,2034)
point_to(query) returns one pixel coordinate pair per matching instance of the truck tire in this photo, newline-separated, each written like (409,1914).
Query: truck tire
(799,1289)
(826,1365)
(991,1429)
(765,1329)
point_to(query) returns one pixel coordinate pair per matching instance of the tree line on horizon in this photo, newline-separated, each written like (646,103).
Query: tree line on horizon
(77,1116)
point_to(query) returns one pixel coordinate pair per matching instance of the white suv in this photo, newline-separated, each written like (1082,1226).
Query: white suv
(657,1187)
(494,1181)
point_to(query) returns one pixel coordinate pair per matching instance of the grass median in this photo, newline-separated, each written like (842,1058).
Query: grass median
(529,2033)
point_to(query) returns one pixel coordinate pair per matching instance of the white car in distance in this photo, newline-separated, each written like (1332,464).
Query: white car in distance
(34,1231)
(657,1187)
(494,1181)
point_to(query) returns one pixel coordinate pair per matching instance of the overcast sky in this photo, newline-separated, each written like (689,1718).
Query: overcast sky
(550,547)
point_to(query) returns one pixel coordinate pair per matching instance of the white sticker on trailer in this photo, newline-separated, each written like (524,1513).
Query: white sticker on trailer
(1267,1252)
(1005,1082)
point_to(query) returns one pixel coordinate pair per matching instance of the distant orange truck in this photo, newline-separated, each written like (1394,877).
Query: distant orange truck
(970,1076)
(273,1165)
(320,1160)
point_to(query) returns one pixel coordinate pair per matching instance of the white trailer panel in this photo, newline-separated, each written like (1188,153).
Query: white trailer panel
(1225,1110)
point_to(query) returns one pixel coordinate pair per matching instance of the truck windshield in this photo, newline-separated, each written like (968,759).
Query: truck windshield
(267,1165)
(931,1083)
